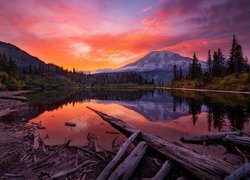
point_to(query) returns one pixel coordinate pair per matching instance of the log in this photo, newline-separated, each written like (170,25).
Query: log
(68,172)
(208,137)
(240,140)
(19,98)
(240,173)
(202,166)
(163,172)
(127,167)
(118,157)
(70,124)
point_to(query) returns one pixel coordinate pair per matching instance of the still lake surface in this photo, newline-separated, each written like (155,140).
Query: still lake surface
(169,114)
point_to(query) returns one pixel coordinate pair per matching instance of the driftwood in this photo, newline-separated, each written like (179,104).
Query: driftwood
(240,173)
(65,173)
(240,140)
(118,157)
(13,175)
(127,167)
(202,166)
(19,98)
(208,137)
(163,172)
(70,124)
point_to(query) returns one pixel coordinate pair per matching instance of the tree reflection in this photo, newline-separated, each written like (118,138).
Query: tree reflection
(218,106)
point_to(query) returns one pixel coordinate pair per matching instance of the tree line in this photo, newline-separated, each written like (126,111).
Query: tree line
(10,72)
(217,65)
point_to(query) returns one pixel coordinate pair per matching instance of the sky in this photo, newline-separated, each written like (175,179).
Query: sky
(98,34)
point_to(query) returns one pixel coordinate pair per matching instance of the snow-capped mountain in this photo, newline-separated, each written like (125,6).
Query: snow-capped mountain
(157,60)
(157,65)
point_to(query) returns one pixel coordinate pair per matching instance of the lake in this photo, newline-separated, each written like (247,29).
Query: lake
(169,114)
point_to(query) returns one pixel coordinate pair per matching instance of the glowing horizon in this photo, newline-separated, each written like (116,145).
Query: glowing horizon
(89,35)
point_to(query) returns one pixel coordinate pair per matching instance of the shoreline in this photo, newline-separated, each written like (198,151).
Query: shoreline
(208,90)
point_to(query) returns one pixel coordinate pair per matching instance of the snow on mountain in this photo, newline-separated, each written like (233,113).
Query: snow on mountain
(157,65)
(157,60)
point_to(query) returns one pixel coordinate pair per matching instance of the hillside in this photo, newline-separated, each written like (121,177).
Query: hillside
(21,58)
(229,82)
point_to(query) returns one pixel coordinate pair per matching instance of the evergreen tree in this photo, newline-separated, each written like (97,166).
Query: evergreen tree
(246,65)
(218,64)
(180,73)
(194,68)
(232,56)
(209,63)
(236,60)
(3,62)
(11,68)
(239,60)
(175,73)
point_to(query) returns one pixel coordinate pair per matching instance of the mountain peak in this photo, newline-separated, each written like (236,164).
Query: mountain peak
(157,60)
(170,53)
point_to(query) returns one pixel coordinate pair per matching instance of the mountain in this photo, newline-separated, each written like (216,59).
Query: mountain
(157,65)
(21,58)
(157,60)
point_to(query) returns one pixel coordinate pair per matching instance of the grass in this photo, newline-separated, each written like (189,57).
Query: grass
(230,82)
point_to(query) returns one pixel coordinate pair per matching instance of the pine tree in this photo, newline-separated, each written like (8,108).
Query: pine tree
(236,60)
(12,68)
(180,73)
(239,60)
(218,64)
(3,62)
(175,73)
(232,56)
(246,65)
(209,63)
(194,68)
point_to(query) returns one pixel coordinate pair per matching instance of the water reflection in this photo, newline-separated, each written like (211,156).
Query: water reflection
(169,114)
(219,107)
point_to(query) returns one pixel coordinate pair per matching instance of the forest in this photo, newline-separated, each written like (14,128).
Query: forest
(220,73)
(50,76)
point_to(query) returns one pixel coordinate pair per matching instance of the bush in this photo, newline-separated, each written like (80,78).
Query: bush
(9,83)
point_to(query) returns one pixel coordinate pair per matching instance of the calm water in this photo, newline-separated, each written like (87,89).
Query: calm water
(169,114)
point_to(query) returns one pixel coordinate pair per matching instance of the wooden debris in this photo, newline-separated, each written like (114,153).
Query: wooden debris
(19,98)
(68,172)
(36,139)
(127,167)
(163,172)
(112,132)
(13,175)
(240,140)
(118,157)
(114,140)
(208,137)
(93,153)
(202,166)
(240,173)
(70,124)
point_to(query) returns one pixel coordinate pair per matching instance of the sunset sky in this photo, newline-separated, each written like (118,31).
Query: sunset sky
(94,34)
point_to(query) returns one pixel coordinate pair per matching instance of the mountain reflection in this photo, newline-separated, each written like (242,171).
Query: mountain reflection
(156,105)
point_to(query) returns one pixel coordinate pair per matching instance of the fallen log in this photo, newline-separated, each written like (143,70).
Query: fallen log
(70,124)
(13,175)
(240,140)
(68,172)
(127,167)
(163,172)
(202,166)
(19,98)
(240,173)
(118,157)
(208,137)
